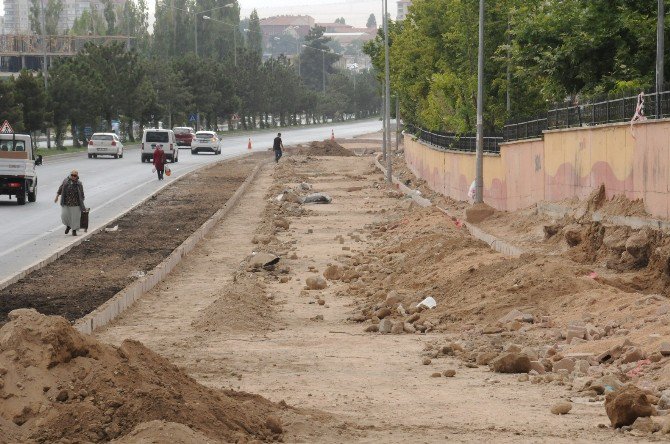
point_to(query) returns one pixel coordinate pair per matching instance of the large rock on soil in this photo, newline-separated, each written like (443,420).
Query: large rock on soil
(316,283)
(573,234)
(625,405)
(511,363)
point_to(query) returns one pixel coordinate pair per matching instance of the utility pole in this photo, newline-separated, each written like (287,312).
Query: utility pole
(45,71)
(323,70)
(387,111)
(660,48)
(195,32)
(383,115)
(479,196)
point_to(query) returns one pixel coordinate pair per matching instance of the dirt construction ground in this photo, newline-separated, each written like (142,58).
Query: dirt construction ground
(301,322)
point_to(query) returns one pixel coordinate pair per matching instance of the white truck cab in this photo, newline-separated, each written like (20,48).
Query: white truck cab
(18,176)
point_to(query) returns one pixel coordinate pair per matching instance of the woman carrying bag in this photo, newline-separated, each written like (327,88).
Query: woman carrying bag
(159,161)
(71,194)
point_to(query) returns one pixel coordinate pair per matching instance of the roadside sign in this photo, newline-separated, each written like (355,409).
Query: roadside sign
(192,118)
(6,128)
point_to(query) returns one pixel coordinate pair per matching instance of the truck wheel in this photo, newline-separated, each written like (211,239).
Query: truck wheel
(32,196)
(116,156)
(21,199)
(90,156)
(175,159)
(143,159)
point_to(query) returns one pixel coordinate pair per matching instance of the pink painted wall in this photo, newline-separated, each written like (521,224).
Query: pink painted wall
(565,164)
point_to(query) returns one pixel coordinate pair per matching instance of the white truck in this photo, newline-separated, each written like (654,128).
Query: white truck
(18,176)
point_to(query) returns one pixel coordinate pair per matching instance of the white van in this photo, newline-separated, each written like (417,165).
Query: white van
(153,137)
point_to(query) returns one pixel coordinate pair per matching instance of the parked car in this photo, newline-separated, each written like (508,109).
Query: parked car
(153,137)
(184,135)
(206,141)
(105,144)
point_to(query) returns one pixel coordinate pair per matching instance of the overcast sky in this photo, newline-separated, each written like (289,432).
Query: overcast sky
(356,12)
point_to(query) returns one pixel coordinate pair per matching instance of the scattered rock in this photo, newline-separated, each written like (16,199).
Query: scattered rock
(646,425)
(282,223)
(408,328)
(385,326)
(561,408)
(321,302)
(625,405)
(450,373)
(397,328)
(511,363)
(372,328)
(426,361)
(333,273)
(492,330)
(436,375)
(263,260)
(564,364)
(383,312)
(316,283)
(62,396)
(485,358)
(538,367)
(573,234)
(632,355)
(665,349)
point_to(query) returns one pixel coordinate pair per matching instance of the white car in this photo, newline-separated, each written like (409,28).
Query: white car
(164,137)
(105,144)
(206,141)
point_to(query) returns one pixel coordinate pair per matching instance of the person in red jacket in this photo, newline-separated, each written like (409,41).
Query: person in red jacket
(159,161)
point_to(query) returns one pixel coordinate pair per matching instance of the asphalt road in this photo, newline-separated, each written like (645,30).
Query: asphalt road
(30,233)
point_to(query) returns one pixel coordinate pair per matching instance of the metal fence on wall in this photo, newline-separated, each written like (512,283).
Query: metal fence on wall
(456,142)
(589,114)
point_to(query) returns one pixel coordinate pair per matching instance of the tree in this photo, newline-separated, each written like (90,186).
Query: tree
(11,109)
(254,35)
(29,91)
(110,17)
(316,60)
(90,22)
(341,21)
(372,22)
(52,13)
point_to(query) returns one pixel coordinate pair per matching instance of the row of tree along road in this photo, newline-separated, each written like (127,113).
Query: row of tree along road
(159,78)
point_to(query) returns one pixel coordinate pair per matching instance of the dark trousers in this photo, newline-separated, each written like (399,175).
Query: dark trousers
(278,155)
(160,173)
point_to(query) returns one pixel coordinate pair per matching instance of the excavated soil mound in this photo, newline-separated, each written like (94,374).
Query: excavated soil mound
(161,431)
(325,148)
(244,305)
(424,254)
(58,384)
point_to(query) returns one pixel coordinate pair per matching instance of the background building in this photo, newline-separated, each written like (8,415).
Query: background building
(17,13)
(402,9)
(296,25)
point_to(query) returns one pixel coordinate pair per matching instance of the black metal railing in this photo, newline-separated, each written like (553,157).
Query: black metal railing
(598,112)
(455,142)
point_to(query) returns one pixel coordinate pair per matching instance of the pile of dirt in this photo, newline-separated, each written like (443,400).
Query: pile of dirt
(243,305)
(94,271)
(325,148)
(424,254)
(56,383)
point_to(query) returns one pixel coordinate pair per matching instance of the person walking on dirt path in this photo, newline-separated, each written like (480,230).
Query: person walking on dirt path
(278,146)
(159,161)
(71,194)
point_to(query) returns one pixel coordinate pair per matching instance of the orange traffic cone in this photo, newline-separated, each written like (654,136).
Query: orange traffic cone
(332,135)
(249,145)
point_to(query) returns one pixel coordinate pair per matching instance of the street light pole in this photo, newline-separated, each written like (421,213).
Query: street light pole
(323,70)
(479,174)
(387,109)
(660,44)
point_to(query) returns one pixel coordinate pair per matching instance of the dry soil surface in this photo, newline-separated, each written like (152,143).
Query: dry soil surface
(284,332)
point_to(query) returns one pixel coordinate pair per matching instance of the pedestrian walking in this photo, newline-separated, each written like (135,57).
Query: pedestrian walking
(278,146)
(71,195)
(159,161)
